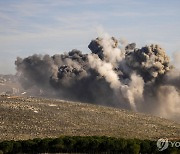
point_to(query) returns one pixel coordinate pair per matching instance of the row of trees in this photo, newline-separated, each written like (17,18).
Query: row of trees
(88,144)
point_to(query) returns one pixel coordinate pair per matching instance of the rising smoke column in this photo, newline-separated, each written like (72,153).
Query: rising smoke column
(106,65)
(142,79)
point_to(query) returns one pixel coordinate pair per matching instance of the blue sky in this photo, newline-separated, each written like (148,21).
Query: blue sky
(57,26)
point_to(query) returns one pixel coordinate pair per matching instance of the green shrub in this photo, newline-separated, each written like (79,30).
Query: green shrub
(6,146)
(87,144)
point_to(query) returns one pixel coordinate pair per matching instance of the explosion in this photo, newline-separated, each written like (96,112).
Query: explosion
(142,80)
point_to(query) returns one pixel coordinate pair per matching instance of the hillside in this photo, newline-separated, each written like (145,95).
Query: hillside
(24,118)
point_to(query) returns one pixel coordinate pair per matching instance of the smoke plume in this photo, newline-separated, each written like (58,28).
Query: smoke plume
(143,80)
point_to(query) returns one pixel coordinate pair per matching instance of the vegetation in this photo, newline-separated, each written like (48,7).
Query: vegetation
(24,118)
(79,144)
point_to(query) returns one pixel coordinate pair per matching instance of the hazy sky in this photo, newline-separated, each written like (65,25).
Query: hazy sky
(56,26)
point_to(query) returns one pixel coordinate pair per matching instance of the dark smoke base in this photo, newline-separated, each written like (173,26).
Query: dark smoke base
(138,79)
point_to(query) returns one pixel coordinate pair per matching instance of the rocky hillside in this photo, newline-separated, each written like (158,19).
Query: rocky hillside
(27,117)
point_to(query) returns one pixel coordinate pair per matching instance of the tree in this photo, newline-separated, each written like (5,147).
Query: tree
(17,147)
(56,145)
(145,146)
(6,146)
(29,146)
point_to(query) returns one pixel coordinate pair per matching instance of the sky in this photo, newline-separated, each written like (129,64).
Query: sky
(30,27)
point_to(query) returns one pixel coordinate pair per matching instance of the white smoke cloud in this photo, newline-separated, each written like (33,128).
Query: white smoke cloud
(176,59)
(169,102)
(105,69)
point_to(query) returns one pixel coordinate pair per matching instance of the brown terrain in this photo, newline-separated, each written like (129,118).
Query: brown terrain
(29,117)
